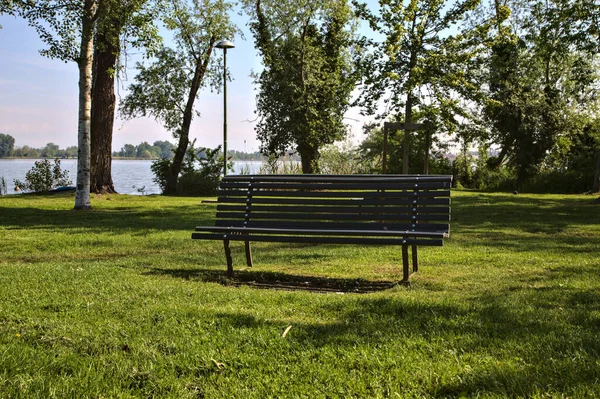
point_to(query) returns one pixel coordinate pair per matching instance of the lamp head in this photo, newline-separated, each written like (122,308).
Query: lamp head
(224,44)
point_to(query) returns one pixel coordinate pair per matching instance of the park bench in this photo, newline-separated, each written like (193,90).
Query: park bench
(403,210)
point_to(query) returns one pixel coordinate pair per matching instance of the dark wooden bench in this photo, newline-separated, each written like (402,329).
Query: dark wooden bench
(404,210)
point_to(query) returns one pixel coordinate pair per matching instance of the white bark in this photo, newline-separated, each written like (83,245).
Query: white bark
(82,193)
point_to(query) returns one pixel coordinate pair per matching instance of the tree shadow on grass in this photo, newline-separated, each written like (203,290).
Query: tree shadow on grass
(113,220)
(275,280)
(480,349)
(531,214)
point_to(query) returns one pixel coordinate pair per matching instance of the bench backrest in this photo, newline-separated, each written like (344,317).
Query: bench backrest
(354,202)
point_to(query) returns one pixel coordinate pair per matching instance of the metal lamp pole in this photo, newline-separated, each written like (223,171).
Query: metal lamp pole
(224,44)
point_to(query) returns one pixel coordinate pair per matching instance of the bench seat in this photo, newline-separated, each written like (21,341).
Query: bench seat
(404,210)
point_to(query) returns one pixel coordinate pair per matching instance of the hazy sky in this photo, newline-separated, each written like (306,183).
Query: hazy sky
(38,97)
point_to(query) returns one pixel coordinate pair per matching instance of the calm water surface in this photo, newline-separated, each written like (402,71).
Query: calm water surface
(129,176)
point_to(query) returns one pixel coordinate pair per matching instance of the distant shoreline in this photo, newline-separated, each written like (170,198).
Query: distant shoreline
(124,158)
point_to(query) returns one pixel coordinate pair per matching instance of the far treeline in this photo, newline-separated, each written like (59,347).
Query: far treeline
(519,77)
(144,150)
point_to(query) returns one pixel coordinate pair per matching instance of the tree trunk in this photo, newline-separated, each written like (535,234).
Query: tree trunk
(82,193)
(202,61)
(309,157)
(407,133)
(103,113)
(500,158)
(427,150)
(596,186)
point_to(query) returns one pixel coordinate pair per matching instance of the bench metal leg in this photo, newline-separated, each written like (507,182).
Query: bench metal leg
(405,274)
(248,254)
(229,259)
(414,259)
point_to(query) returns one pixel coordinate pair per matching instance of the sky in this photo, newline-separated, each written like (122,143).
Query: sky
(39,97)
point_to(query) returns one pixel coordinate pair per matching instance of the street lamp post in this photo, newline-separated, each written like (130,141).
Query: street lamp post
(225,44)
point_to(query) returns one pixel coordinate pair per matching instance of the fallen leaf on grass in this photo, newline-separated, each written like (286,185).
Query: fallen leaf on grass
(219,365)
(287,330)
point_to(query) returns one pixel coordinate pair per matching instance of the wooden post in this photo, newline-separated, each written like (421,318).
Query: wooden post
(414,259)
(248,254)
(408,120)
(427,145)
(229,259)
(596,186)
(385,142)
(405,272)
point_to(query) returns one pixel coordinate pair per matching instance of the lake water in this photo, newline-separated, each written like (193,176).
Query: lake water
(128,175)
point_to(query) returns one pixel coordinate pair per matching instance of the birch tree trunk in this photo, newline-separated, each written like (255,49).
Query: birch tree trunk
(82,193)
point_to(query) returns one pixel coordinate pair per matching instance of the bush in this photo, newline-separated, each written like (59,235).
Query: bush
(200,172)
(343,159)
(160,169)
(43,177)
(285,165)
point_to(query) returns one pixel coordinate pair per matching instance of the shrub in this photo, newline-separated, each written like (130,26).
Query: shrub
(160,169)
(200,172)
(286,165)
(43,177)
(343,159)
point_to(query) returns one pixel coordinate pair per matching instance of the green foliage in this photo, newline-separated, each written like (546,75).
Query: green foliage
(50,150)
(541,79)
(7,145)
(370,152)
(307,79)
(160,168)
(342,159)
(167,88)
(26,152)
(200,173)
(417,68)
(284,165)
(43,177)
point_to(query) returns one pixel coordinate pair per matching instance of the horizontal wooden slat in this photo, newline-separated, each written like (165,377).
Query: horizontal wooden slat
(274,215)
(325,232)
(359,209)
(319,239)
(333,225)
(337,194)
(318,201)
(337,178)
(335,186)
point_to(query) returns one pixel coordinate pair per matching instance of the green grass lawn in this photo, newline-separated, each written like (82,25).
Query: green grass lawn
(121,303)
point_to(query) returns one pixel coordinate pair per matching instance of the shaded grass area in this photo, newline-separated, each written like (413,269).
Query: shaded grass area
(120,302)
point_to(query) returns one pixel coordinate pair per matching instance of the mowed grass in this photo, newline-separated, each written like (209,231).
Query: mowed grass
(121,303)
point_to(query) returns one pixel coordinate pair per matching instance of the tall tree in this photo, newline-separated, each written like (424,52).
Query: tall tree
(168,88)
(420,64)
(67,27)
(130,21)
(7,145)
(307,80)
(542,80)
